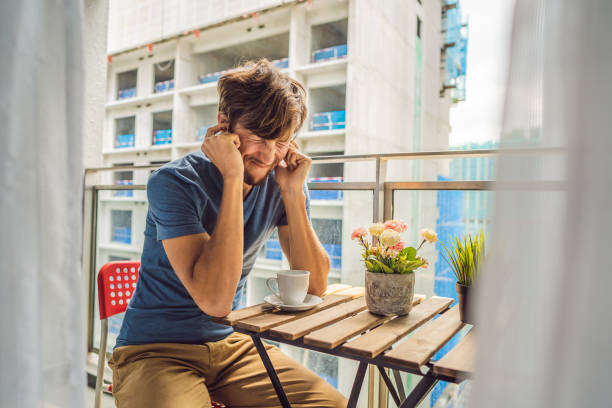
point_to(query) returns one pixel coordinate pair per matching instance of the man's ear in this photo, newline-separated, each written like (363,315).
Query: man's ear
(222,119)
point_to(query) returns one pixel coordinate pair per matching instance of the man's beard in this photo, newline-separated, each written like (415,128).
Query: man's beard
(250,180)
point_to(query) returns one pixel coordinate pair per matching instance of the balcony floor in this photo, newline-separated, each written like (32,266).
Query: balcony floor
(107,400)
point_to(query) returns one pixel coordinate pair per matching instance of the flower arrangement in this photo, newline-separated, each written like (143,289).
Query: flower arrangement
(388,253)
(465,258)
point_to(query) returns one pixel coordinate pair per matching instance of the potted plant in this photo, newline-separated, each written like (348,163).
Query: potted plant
(465,258)
(390,266)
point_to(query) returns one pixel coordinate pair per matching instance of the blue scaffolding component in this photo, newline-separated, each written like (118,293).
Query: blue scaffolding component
(449,224)
(122,235)
(273,250)
(334,195)
(125,140)
(331,53)
(456,42)
(124,193)
(201,133)
(126,93)
(162,136)
(328,120)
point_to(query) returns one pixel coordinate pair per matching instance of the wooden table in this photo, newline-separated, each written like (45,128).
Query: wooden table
(342,326)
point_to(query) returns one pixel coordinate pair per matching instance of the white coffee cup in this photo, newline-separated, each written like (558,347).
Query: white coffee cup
(292,286)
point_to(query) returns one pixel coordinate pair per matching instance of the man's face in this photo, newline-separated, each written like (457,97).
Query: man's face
(260,156)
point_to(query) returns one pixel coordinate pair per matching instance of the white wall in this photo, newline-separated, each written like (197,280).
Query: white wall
(134,23)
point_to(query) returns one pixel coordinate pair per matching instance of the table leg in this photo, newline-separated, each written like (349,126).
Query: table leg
(400,385)
(352,403)
(419,392)
(278,387)
(390,385)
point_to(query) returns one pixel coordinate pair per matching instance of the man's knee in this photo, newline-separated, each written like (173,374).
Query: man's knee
(142,384)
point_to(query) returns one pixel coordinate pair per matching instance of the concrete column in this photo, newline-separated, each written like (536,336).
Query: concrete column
(182,78)
(145,77)
(299,37)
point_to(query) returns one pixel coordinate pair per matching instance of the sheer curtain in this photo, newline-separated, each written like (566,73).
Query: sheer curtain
(42,341)
(545,330)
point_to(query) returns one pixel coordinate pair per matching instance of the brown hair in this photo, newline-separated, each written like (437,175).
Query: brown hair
(264,100)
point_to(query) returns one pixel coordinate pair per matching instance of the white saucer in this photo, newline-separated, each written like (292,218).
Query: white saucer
(309,302)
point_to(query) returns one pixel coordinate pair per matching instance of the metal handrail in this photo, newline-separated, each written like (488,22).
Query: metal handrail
(430,155)
(359,185)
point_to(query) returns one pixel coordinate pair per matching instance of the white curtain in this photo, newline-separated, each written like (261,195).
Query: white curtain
(545,328)
(42,335)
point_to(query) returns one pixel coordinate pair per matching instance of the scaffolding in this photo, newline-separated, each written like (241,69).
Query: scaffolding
(454,52)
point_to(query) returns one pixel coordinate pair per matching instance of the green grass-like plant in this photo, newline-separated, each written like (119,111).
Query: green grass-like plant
(465,258)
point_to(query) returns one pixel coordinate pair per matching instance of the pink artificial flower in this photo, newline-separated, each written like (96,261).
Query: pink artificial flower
(399,246)
(397,225)
(403,225)
(359,232)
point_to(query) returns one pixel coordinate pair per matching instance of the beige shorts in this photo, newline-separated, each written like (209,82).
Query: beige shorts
(229,371)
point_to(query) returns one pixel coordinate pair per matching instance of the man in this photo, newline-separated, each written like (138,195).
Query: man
(209,214)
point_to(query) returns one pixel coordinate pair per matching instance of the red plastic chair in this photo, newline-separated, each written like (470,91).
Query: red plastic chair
(116,284)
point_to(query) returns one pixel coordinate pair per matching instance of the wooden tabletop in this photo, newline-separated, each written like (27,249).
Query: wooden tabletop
(342,323)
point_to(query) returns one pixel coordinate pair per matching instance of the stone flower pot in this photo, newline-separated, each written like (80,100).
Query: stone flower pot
(389,294)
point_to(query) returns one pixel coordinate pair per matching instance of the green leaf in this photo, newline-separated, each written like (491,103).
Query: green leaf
(382,266)
(410,253)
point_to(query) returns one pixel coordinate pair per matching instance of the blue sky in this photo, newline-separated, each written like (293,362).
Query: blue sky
(478,118)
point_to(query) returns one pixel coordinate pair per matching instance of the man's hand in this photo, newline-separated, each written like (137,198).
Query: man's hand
(221,148)
(291,172)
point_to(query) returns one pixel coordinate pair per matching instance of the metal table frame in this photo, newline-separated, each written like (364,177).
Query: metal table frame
(419,392)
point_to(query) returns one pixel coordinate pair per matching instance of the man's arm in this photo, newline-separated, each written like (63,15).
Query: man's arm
(301,245)
(298,240)
(210,266)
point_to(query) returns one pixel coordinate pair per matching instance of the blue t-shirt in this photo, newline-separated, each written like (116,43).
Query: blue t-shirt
(185,198)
